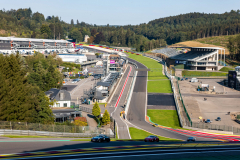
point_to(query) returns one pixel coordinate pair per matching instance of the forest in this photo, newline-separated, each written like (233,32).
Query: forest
(142,37)
(23,82)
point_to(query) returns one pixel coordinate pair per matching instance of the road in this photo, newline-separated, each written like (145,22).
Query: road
(138,108)
(118,150)
(126,80)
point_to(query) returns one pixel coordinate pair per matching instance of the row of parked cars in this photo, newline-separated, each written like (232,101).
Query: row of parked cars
(151,138)
(209,121)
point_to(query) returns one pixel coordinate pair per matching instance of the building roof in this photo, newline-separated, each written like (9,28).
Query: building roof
(58,95)
(208,47)
(196,54)
(33,40)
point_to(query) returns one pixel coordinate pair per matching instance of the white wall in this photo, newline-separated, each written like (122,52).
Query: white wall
(73,58)
(62,103)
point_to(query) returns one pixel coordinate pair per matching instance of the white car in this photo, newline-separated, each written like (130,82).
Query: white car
(74,81)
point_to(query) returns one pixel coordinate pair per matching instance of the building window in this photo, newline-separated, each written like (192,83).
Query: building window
(64,104)
(57,104)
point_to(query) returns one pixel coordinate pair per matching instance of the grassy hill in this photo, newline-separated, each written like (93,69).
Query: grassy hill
(216,41)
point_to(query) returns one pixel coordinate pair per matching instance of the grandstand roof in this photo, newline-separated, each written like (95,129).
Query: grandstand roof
(194,55)
(33,39)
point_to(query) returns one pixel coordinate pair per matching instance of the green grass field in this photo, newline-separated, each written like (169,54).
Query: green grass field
(226,69)
(168,118)
(217,40)
(163,86)
(202,74)
(156,72)
(141,134)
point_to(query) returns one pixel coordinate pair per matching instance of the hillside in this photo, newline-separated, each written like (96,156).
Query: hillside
(157,33)
(216,41)
(197,43)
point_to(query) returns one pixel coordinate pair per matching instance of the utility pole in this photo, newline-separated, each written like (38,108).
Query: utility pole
(54,28)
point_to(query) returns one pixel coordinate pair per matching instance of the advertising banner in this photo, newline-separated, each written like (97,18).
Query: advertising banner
(112,61)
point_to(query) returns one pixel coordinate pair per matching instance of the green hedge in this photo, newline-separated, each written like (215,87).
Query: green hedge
(202,73)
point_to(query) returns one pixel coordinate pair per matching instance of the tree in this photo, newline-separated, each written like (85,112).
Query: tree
(76,35)
(96,110)
(72,22)
(38,17)
(93,32)
(90,40)
(19,100)
(106,117)
(45,29)
(99,37)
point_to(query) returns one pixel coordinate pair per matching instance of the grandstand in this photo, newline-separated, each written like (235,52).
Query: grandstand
(10,45)
(197,58)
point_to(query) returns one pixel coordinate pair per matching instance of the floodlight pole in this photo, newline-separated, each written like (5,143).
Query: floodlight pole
(224,57)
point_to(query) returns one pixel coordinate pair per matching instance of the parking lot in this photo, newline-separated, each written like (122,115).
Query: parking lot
(76,89)
(215,104)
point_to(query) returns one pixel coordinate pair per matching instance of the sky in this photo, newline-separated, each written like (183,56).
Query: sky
(120,12)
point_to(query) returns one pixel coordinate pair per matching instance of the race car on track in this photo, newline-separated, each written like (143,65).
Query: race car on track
(100,138)
(151,139)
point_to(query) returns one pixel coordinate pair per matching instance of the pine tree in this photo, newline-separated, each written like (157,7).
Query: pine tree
(106,117)
(96,110)
(19,100)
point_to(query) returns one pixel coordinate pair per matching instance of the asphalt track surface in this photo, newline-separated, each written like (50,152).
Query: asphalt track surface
(138,108)
(118,101)
(130,150)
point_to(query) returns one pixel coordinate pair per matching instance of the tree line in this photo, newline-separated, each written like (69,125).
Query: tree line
(234,47)
(23,82)
(146,36)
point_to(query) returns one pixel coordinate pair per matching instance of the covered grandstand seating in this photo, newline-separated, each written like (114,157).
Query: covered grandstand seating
(192,55)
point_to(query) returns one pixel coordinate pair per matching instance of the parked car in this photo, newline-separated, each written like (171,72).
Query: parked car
(193,139)
(151,139)
(218,119)
(77,79)
(74,81)
(100,138)
(208,121)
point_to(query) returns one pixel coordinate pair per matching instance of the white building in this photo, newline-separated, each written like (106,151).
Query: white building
(86,38)
(10,45)
(76,58)
(62,97)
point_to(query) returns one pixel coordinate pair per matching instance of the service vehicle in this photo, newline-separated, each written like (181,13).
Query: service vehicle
(208,121)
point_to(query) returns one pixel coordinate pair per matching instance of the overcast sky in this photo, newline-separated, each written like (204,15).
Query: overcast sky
(120,12)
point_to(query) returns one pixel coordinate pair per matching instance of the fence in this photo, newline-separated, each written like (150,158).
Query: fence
(189,119)
(208,126)
(24,128)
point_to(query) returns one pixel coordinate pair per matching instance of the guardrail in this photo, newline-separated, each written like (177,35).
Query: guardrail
(202,125)
(55,134)
(7,127)
(189,119)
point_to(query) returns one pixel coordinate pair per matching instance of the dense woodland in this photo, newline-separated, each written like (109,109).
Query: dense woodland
(234,47)
(156,33)
(22,86)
